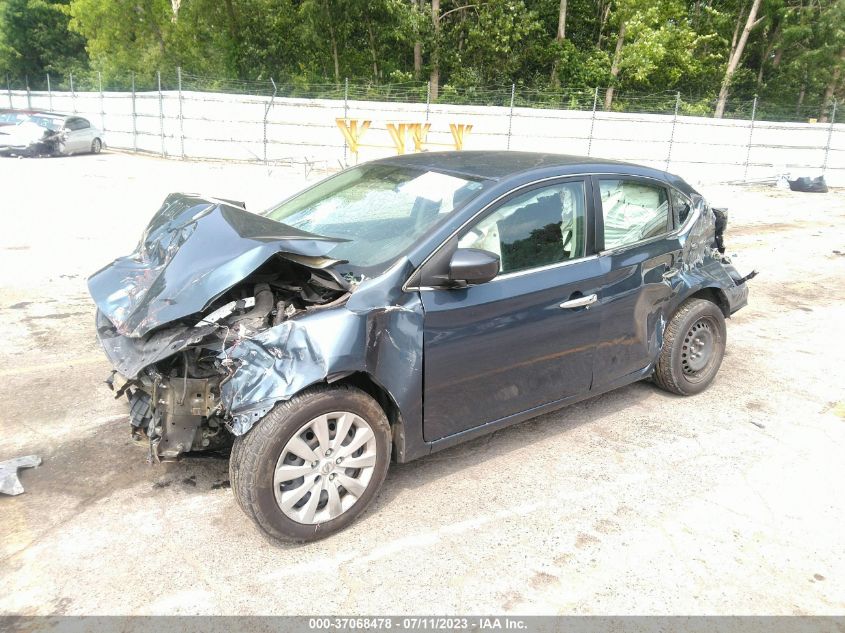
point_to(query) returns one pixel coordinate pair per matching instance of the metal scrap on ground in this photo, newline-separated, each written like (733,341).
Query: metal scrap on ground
(9,482)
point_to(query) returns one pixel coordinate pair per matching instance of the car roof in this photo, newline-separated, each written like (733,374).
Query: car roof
(502,165)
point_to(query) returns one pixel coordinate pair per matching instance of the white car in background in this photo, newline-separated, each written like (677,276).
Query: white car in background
(49,134)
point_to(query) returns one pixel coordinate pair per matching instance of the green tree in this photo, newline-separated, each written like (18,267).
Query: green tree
(34,38)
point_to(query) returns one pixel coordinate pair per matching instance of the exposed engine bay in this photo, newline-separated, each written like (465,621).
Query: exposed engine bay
(188,414)
(173,372)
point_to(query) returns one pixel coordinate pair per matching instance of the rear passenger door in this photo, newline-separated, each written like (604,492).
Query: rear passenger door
(640,257)
(78,133)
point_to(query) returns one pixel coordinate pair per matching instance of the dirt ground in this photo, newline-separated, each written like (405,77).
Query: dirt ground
(636,502)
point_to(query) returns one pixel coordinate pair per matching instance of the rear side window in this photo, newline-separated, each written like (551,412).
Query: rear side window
(77,124)
(541,227)
(633,211)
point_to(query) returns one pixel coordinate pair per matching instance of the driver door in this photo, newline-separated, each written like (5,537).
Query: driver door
(526,338)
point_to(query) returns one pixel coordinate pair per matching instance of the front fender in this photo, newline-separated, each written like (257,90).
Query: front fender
(377,332)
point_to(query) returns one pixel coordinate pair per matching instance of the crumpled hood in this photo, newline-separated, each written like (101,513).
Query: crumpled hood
(24,133)
(193,250)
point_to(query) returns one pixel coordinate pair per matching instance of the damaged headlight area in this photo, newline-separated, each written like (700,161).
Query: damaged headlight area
(175,376)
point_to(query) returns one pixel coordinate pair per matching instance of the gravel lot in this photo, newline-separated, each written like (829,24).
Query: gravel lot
(636,502)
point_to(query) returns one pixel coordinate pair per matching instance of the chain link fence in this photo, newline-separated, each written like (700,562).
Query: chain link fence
(182,115)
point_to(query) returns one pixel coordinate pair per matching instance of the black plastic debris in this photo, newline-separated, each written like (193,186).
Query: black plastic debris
(808,185)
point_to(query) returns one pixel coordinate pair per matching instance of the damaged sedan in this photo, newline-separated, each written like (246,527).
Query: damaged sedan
(401,307)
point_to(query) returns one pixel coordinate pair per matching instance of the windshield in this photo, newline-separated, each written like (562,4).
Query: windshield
(47,122)
(381,209)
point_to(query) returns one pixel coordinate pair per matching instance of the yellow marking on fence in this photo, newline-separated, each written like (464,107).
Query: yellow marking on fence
(459,131)
(352,133)
(419,132)
(398,131)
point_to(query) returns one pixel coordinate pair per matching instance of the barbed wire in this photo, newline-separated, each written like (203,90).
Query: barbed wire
(507,96)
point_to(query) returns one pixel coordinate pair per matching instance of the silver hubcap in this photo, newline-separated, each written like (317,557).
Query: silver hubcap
(325,467)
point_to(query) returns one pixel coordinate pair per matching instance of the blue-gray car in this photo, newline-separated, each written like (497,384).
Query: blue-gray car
(401,307)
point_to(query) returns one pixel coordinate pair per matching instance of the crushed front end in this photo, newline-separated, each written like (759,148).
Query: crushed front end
(206,277)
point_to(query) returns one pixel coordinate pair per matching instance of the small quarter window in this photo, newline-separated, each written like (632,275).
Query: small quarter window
(682,206)
(633,211)
(541,227)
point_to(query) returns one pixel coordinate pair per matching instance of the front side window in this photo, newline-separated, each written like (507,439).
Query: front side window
(381,209)
(541,227)
(633,211)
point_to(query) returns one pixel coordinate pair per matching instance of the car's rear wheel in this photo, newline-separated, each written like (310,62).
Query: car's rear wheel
(693,348)
(313,464)
(96,146)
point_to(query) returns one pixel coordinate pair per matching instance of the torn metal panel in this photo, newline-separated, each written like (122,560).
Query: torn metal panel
(9,482)
(193,250)
(368,334)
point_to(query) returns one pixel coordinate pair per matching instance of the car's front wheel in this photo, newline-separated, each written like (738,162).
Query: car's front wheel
(313,464)
(96,146)
(693,348)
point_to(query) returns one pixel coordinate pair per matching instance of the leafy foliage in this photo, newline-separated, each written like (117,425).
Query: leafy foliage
(794,58)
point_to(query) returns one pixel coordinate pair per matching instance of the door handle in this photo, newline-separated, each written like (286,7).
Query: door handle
(580,302)
(671,273)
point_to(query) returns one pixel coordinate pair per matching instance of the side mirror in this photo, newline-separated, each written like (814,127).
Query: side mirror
(470,266)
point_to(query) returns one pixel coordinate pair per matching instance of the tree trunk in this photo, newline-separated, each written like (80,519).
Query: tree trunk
(373,51)
(435,53)
(561,22)
(604,12)
(801,94)
(561,35)
(235,35)
(830,90)
(418,48)
(733,62)
(333,41)
(770,45)
(614,68)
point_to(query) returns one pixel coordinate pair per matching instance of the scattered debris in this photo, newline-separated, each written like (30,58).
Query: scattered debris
(9,482)
(808,185)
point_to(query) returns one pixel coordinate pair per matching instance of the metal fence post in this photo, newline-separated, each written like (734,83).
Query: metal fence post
(49,92)
(592,121)
(267,111)
(181,118)
(750,137)
(72,95)
(9,89)
(829,135)
(510,115)
(161,113)
(345,113)
(427,99)
(134,118)
(672,134)
(28,94)
(102,104)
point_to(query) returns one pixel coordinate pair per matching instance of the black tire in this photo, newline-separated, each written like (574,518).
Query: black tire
(96,146)
(693,348)
(254,456)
